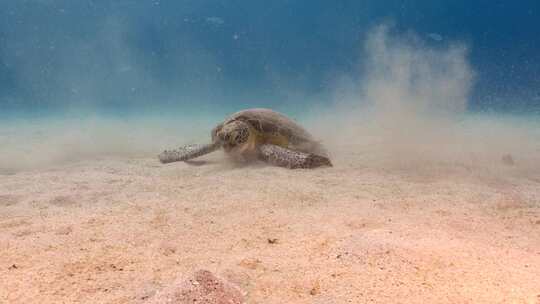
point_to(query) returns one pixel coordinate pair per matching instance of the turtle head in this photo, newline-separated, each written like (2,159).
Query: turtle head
(233,134)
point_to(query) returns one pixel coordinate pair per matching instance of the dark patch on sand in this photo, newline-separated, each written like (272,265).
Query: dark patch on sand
(14,223)
(63,201)
(8,172)
(64,230)
(9,200)
(197,162)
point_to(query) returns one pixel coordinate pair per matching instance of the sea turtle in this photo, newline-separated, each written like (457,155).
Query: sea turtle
(259,134)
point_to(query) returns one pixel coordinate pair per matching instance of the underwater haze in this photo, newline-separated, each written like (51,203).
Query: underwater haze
(411,81)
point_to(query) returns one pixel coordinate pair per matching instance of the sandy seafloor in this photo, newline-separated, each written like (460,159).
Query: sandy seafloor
(117,230)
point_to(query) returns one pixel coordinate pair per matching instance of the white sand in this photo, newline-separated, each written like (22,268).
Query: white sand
(116,231)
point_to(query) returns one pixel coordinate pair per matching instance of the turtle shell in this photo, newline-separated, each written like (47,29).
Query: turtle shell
(275,128)
(271,123)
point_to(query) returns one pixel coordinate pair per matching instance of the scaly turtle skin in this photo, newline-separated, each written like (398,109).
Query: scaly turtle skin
(259,134)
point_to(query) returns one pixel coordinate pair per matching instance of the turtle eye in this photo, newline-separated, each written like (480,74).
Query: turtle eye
(223,136)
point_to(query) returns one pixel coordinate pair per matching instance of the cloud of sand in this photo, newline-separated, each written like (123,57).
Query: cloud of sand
(29,144)
(409,111)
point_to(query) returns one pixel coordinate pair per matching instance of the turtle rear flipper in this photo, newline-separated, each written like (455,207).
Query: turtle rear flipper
(187,152)
(284,157)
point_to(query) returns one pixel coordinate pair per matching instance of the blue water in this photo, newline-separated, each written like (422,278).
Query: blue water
(82,79)
(126,56)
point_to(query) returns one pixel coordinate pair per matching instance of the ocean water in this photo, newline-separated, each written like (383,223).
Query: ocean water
(425,81)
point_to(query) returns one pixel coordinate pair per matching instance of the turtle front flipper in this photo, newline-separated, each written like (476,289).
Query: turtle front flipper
(283,157)
(187,152)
